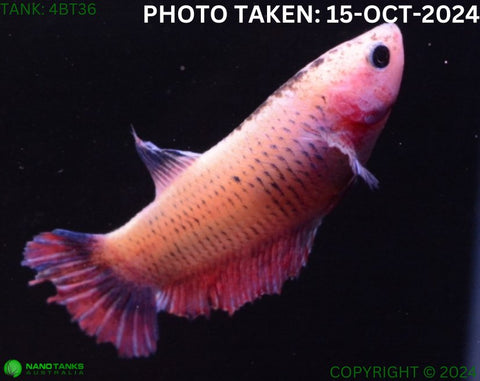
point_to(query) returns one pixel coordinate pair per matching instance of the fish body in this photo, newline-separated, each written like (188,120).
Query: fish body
(235,222)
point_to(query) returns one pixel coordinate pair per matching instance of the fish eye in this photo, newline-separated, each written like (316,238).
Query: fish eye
(380,56)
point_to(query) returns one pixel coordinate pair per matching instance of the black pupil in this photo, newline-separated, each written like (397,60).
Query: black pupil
(380,56)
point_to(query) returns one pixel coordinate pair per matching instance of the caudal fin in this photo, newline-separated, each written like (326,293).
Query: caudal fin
(104,305)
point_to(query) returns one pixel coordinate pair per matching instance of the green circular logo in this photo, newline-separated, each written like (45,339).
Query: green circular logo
(12,368)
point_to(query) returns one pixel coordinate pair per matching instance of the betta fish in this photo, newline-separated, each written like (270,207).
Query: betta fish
(235,222)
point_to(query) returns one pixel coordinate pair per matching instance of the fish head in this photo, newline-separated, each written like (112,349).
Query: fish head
(360,82)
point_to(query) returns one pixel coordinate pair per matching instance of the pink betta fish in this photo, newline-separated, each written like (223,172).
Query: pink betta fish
(234,223)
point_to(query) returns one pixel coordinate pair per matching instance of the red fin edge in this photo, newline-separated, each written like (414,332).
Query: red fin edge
(104,306)
(261,271)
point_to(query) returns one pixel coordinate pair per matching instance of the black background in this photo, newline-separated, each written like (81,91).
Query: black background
(388,281)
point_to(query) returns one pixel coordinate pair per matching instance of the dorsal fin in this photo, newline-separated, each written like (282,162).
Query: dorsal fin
(163,164)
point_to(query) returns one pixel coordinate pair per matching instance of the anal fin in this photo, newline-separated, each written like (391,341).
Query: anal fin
(242,279)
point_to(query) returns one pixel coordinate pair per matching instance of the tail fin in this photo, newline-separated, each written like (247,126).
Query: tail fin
(104,305)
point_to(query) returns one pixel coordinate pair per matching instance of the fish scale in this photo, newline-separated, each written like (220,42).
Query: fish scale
(234,223)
